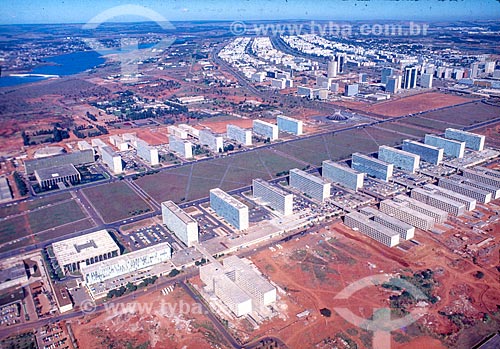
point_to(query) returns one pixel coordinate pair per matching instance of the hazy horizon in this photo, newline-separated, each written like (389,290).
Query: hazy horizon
(64,12)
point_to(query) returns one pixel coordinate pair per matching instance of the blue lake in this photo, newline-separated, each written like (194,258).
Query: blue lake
(63,65)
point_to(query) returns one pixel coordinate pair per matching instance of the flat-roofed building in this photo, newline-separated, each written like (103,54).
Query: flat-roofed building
(495,191)
(218,281)
(276,198)
(290,125)
(5,193)
(265,129)
(439,215)
(400,158)
(177,132)
(147,152)
(252,282)
(180,146)
(405,230)
(193,132)
(183,225)
(229,208)
(450,147)
(463,188)
(343,175)
(481,177)
(118,142)
(126,263)
(488,171)
(48,177)
(13,276)
(112,159)
(427,153)
(432,198)
(470,203)
(472,141)
(98,143)
(239,134)
(403,212)
(84,145)
(85,249)
(215,143)
(314,187)
(76,158)
(375,230)
(372,166)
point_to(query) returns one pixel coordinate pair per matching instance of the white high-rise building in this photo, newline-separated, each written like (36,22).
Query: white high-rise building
(112,159)
(232,210)
(277,199)
(426,80)
(381,233)
(313,186)
(178,132)
(214,142)
(343,175)
(265,129)
(148,153)
(180,223)
(180,146)
(289,125)
(239,134)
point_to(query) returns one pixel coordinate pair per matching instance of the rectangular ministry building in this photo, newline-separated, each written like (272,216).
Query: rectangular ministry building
(215,143)
(377,231)
(313,186)
(400,158)
(180,146)
(179,222)
(290,125)
(405,230)
(403,212)
(239,134)
(433,198)
(371,166)
(278,199)
(472,141)
(450,147)
(464,188)
(428,153)
(265,129)
(232,210)
(343,175)
(470,203)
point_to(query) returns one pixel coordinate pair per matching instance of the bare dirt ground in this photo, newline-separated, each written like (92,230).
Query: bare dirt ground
(414,104)
(153,321)
(312,270)
(221,126)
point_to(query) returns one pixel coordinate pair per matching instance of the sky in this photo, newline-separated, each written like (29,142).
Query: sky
(82,11)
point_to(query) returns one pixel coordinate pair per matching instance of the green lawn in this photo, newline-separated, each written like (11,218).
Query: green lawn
(116,201)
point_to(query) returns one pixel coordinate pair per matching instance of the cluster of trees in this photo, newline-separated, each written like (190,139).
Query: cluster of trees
(21,184)
(100,130)
(130,287)
(91,116)
(55,135)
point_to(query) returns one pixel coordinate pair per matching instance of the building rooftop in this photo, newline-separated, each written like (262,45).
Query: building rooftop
(288,118)
(272,187)
(370,158)
(342,167)
(399,151)
(84,246)
(15,272)
(421,144)
(308,176)
(179,212)
(374,212)
(108,150)
(56,172)
(379,227)
(228,198)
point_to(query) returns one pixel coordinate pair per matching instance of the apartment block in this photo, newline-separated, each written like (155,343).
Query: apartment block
(433,198)
(405,230)
(439,215)
(239,134)
(480,195)
(472,141)
(470,203)
(180,223)
(403,212)
(265,129)
(182,147)
(427,153)
(290,125)
(450,147)
(378,232)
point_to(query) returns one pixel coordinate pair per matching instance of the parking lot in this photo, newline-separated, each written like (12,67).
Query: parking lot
(149,236)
